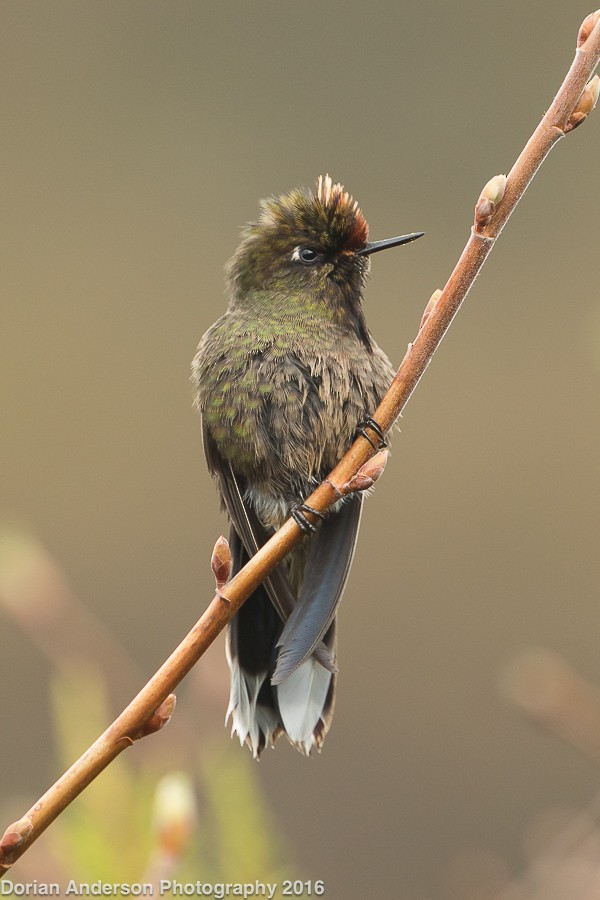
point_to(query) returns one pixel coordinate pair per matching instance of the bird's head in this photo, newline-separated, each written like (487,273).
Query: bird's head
(307,242)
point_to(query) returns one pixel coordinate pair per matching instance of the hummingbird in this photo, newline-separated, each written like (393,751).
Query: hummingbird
(284,381)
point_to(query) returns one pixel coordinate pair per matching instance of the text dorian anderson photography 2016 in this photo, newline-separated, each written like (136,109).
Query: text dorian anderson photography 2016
(218,890)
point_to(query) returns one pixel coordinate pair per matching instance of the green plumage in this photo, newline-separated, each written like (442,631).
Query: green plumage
(286,375)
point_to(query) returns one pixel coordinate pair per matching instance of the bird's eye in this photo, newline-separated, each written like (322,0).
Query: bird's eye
(306,255)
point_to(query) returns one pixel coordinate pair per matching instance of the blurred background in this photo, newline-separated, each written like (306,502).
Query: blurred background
(137,137)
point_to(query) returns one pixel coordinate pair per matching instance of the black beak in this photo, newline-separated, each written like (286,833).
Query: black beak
(376,246)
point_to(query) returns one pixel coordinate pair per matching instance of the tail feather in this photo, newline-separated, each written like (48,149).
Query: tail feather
(256,723)
(327,566)
(249,648)
(301,706)
(306,703)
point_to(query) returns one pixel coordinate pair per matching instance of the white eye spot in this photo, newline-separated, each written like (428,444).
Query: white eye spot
(305,255)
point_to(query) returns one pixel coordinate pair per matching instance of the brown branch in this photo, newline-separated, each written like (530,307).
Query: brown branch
(545,689)
(571,106)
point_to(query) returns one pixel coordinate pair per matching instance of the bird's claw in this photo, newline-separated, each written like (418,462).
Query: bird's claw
(370,422)
(297,513)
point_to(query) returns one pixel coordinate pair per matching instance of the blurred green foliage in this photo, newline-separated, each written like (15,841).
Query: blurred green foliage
(138,821)
(136,824)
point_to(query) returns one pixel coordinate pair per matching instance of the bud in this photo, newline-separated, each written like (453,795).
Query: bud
(494,189)
(159,718)
(430,307)
(221,562)
(483,213)
(589,96)
(175,813)
(585,104)
(587,26)
(12,839)
(368,474)
(489,198)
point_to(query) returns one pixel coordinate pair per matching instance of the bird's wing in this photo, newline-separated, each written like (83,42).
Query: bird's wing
(252,534)
(327,567)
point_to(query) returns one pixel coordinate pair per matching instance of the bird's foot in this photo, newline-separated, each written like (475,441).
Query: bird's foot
(370,422)
(297,513)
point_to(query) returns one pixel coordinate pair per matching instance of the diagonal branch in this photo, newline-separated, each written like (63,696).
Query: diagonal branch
(145,714)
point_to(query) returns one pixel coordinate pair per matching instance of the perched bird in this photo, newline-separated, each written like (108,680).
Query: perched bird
(283,381)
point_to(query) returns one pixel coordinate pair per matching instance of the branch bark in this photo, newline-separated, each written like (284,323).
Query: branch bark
(146,713)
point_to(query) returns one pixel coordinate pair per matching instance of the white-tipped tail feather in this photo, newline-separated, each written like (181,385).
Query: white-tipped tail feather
(302,700)
(302,709)
(254,724)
